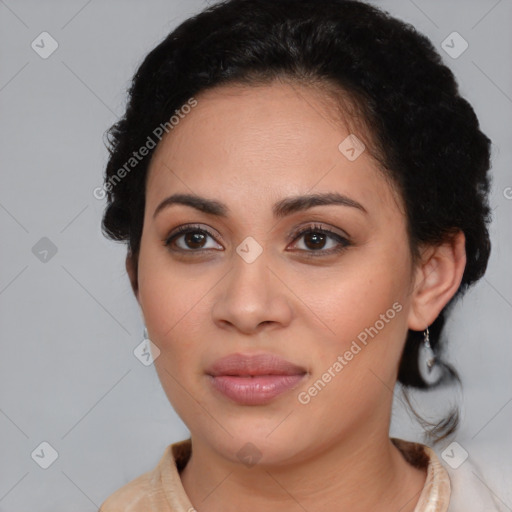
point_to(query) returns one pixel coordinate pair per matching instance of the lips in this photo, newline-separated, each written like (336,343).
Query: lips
(254,379)
(254,364)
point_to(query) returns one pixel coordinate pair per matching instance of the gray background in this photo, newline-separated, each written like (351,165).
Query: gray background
(69,325)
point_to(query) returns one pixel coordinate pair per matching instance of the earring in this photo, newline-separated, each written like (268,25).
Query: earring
(145,333)
(430,356)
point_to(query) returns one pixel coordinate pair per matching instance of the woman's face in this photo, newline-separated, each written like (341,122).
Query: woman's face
(244,282)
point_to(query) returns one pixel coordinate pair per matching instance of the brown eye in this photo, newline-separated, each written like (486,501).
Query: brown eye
(319,241)
(189,239)
(194,240)
(314,240)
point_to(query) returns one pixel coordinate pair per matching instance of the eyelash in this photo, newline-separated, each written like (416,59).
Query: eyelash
(300,232)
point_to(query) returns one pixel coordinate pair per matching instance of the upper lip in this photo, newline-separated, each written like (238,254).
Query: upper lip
(254,364)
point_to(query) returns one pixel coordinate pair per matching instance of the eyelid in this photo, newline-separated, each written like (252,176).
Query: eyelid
(317,226)
(343,241)
(184,229)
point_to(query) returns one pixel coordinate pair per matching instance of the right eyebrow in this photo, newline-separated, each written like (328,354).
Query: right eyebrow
(202,204)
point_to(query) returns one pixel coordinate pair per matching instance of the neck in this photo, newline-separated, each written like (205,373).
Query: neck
(362,473)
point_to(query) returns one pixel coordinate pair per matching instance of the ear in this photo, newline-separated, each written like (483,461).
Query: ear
(437,279)
(131,269)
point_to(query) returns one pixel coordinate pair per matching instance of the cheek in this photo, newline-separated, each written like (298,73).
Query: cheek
(174,308)
(354,369)
(365,310)
(172,299)
(355,297)
(175,312)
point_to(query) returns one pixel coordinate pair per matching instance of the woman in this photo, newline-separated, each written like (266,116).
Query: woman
(303,193)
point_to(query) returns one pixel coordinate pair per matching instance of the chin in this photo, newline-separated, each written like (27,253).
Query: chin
(262,442)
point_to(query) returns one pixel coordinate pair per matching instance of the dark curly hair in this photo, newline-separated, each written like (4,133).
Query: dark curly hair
(425,135)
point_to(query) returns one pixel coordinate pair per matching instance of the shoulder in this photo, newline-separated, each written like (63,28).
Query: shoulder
(142,494)
(133,496)
(469,489)
(454,483)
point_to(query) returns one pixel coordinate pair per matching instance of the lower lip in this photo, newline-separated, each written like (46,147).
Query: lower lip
(257,390)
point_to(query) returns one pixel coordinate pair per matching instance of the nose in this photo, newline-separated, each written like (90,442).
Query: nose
(252,298)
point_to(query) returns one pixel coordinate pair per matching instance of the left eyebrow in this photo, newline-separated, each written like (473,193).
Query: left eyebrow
(294,204)
(282,208)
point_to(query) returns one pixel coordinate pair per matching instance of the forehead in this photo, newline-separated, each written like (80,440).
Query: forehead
(249,143)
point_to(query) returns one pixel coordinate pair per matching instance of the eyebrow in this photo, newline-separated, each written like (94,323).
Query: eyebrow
(281,209)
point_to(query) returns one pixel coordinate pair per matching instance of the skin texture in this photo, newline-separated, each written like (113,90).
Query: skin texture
(249,147)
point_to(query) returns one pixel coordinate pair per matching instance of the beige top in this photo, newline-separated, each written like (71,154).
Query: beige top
(161,490)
